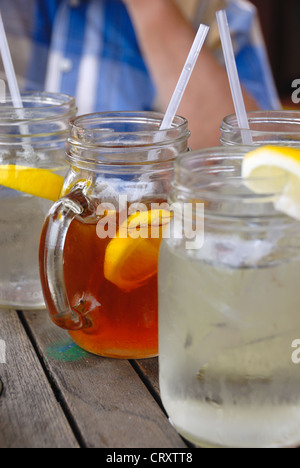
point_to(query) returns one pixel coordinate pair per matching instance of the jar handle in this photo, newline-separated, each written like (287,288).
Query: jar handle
(52,244)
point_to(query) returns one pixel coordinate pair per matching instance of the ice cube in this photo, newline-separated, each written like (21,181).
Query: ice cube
(235,251)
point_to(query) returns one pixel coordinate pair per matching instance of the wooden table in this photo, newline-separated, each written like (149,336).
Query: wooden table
(56,395)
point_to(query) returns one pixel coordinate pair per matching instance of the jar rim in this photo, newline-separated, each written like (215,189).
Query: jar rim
(124,138)
(214,176)
(98,117)
(45,105)
(212,163)
(288,117)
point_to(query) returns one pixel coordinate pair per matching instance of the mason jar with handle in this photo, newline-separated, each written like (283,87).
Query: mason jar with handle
(32,166)
(100,242)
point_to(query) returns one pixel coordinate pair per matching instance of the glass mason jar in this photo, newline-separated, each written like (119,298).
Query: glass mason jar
(281,128)
(229,310)
(34,137)
(98,258)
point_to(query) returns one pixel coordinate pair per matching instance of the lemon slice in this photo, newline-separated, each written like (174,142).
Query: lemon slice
(38,182)
(131,258)
(275,170)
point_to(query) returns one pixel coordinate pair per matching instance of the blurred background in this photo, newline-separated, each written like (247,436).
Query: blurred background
(280,20)
(281,28)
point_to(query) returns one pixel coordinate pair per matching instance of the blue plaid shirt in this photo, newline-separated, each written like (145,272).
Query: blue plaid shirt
(88,48)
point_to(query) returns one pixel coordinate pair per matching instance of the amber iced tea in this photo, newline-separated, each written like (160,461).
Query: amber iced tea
(112,283)
(103,289)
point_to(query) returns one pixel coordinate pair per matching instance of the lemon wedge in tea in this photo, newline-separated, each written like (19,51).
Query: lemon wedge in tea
(38,182)
(272,169)
(131,258)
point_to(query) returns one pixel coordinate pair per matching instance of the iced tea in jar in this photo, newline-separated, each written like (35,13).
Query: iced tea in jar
(100,242)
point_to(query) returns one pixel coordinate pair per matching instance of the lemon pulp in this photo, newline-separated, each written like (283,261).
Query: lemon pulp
(38,182)
(132,256)
(272,169)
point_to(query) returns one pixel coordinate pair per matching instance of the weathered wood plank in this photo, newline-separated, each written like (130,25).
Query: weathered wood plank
(111,406)
(149,368)
(30,416)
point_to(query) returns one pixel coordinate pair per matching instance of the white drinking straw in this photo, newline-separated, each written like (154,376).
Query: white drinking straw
(9,68)
(13,84)
(185,77)
(233,77)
